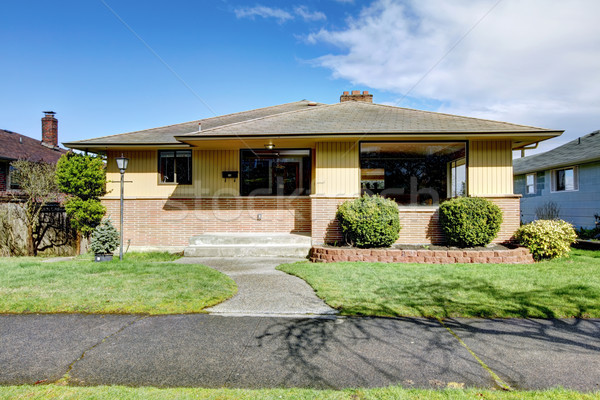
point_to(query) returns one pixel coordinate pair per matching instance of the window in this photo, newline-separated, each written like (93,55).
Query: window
(275,172)
(530,183)
(414,173)
(13,178)
(175,166)
(565,179)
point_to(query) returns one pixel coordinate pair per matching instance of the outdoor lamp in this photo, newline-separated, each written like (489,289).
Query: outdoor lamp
(269,146)
(122,165)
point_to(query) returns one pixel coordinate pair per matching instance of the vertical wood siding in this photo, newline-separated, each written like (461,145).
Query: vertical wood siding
(490,168)
(337,169)
(143,173)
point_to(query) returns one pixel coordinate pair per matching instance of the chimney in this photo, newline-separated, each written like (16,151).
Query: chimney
(49,130)
(356,96)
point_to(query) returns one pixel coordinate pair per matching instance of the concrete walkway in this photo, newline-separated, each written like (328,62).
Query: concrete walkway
(262,290)
(331,352)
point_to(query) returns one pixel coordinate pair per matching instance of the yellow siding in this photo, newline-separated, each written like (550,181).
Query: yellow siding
(490,168)
(337,169)
(143,173)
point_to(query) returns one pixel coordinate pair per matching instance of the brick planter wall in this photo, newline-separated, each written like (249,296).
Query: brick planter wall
(171,222)
(519,255)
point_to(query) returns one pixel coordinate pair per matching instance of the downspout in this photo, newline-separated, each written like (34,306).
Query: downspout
(523,148)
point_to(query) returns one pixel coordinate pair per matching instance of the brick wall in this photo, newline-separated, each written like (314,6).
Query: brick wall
(3,176)
(171,222)
(419,225)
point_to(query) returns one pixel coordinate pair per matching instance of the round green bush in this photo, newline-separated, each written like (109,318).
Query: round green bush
(470,221)
(369,221)
(547,239)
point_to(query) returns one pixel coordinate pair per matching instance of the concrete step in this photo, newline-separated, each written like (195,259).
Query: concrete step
(248,245)
(249,239)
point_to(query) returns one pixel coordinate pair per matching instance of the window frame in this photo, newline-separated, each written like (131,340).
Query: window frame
(533,185)
(554,177)
(158,159)
(306,191)
(9,179)
(466,144)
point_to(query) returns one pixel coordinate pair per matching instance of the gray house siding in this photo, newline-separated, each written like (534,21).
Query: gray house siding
(577,207)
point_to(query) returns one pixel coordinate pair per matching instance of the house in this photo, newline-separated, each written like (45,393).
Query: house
(14,146)
(286,169)
(568,175)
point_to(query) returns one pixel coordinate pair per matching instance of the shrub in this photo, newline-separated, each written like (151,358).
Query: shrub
(369,221)
(85,214)
(548,210)
(105,238)
(470,221)
(547,239)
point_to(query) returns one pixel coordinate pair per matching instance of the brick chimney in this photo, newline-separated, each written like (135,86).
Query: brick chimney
(49,130)
(356,95)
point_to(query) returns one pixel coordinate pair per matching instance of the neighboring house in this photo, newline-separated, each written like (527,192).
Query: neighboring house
(568,175)
(286,169)
(14,146)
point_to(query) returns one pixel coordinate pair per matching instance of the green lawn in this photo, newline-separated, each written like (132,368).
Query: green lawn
(127,393)
(141,283)
(560,288)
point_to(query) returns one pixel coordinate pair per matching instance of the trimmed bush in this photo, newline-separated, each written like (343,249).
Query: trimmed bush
(369,221)
(105,238)
(547,239)
(470,221)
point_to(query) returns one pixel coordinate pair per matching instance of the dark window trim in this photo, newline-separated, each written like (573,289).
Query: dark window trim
(255,150)
(467,150)
(174,183)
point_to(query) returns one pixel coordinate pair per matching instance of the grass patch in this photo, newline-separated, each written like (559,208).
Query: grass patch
(138,284)
(121,392)
(561,288)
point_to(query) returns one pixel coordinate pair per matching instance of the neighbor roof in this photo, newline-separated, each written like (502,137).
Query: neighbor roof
(309,118)
(579,151)
(14,146)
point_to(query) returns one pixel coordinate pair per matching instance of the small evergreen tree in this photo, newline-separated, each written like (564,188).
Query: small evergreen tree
(105,238)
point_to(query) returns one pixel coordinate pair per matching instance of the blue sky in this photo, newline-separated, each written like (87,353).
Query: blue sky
(534,62)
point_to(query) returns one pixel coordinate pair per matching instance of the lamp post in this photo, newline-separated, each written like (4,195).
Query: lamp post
(122,165)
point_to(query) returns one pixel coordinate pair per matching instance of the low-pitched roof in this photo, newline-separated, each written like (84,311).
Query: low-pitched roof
(582,150)
(309,118)
(14,146)
(165,135)
(355,117)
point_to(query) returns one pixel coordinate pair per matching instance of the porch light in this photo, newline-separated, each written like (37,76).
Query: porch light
(269,146)
(122,163)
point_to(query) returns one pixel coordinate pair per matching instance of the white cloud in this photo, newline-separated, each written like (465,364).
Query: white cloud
(308,15)
(279,14)
(265,12)
(535,61)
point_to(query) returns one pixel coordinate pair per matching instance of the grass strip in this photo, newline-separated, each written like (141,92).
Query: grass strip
(393,392)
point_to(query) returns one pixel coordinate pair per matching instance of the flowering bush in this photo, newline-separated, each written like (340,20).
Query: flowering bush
(547,239)
(369,221)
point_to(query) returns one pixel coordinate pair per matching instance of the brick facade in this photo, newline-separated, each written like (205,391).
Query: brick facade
(3,176)
(419,224)
(171,222)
